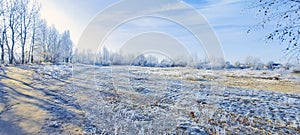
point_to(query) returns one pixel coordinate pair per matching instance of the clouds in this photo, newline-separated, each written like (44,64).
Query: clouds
(231,19)
(228,18)
(177,19)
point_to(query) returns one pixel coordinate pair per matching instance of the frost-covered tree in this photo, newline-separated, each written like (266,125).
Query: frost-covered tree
(24,35)
(139,61)
(252,62)
(66,47)
(118,59)
(270,64)
(12,16)
(59,46)
(286,15)
(166,63)
(38,39)
(28,11)
(180,62)
(106,58)
(151,61)
(52,47)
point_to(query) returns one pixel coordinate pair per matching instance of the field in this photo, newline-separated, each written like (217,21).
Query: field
(81,99)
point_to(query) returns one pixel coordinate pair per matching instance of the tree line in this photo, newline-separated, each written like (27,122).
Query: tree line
(106,57)
(26,38)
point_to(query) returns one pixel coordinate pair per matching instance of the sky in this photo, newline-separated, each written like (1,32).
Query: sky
(229,19)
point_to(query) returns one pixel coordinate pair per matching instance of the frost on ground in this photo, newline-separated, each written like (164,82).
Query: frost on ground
(80,99)
(139,100)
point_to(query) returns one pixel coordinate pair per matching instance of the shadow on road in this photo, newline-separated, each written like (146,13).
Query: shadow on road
(37,106)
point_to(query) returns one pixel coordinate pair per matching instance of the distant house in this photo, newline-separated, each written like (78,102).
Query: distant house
(242,66)
(272,65)
(275,66)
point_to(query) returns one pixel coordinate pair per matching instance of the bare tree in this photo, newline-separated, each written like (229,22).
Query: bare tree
(33,36)
(13,24)
(35,26)
(286,15)
(2,29)
(24,34)
(253,62)
(28,11)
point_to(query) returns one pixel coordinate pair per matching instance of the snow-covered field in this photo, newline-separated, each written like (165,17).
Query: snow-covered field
(143,100)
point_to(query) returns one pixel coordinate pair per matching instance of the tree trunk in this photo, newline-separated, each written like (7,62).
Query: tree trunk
(23,55)
(32,41)
(2,51)
(8,47)
(31,52)
(29,55)
(23,43)
(12,57)
(4,39)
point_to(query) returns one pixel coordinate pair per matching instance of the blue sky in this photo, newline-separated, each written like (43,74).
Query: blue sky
(230,20)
